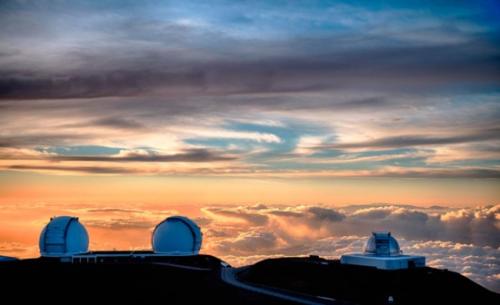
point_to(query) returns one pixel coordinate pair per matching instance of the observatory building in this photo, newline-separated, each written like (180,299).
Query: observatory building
(177,235)
(382,252)
(66,239)
(63,236)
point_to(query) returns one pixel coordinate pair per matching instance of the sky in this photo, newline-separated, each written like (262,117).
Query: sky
(125,112)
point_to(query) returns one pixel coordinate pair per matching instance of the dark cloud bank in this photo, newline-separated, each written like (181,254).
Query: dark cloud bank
(402,68)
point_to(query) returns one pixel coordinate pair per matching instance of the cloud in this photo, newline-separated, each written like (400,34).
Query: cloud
(133,80)
(109,218)
(105,84)
(398,67)
(437,173)
(479,263)
(27,140)
(75,169)
(248,242)
(189,155)
(121,223)
(420,140)
(239,214)
(462,240)
(198,55)
(112,210)
(325,214)
(479,226)
(260,214)
(110,122)
(13,247)
(134,161)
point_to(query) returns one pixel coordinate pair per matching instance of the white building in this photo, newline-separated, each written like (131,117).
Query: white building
(66,239)
(63,236)
(177,235)
(382,252)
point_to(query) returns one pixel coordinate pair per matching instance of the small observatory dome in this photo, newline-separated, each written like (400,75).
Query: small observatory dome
(177,235)
(382,244)
(63,236)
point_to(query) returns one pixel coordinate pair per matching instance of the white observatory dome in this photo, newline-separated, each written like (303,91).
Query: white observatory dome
(382,244)
(63,236)
(177,235)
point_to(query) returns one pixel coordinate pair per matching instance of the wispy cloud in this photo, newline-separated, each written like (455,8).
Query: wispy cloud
(420,140)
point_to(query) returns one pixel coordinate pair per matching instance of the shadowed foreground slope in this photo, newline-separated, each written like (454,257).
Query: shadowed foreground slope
(197,280)
(120,283)
(367,285)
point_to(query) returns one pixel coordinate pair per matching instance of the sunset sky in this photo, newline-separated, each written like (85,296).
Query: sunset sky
(283,127)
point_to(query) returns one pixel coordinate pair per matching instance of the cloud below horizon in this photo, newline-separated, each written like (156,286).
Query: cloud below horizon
(464,240)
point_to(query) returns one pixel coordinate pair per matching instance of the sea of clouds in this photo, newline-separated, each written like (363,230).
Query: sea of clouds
(465,240)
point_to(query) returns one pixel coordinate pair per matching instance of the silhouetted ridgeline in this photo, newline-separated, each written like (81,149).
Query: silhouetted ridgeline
(173,272)
(124,281)
(367,285)
(197,280)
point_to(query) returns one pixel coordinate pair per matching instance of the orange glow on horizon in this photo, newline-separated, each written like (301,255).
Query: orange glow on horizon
(122,190)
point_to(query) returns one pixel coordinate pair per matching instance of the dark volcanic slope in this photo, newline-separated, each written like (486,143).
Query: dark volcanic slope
(197,280)
(132,282)
(366,285)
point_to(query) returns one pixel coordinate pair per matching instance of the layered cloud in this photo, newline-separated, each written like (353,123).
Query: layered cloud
(241,89)
(478,226)
(182,52)
(463,240)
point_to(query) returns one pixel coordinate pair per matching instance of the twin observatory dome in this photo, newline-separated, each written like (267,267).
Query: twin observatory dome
(65,236)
